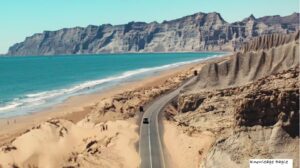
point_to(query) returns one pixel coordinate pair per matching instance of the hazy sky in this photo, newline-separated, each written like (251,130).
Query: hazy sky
(22,18)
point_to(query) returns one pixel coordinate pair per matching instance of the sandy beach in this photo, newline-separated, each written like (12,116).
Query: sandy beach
(77,107)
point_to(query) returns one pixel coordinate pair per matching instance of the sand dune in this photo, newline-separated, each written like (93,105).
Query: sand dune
(60,143)
(177,142)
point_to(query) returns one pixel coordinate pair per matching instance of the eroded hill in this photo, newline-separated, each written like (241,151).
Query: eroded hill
(250,103)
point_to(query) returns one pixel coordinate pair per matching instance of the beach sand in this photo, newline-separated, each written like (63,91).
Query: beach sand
(60,135)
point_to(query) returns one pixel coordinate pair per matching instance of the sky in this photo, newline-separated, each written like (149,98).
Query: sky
(22,18)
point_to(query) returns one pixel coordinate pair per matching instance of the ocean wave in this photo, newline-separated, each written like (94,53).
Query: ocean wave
(35,99)
(10,106)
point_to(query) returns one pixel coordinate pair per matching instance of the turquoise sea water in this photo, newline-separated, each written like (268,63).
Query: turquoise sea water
(28,84)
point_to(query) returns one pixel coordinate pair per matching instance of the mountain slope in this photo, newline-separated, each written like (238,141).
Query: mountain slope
(197,32)
(249,102)
(261,57)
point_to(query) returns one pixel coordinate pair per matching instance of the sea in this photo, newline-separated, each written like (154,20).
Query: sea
(30,84)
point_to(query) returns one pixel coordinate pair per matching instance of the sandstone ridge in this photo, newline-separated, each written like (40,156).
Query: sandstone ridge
(261,57)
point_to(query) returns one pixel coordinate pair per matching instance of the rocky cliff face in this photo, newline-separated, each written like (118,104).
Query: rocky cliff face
(250,102)
(270,41)
(198,32)
(265,124)
(257,120)
(261,57)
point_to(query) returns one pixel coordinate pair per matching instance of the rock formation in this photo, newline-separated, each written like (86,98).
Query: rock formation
(261,57)
(250,102)
(198,32)
(265,124)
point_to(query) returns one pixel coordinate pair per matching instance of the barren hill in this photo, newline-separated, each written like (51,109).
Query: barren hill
(263,56)
(197,32)
(249,102)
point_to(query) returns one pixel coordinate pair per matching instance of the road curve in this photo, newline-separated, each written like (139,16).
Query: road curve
(150,145)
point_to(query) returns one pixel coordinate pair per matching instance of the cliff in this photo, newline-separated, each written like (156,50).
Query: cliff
(249,102)
(264,123)
(261,57)
(197,32)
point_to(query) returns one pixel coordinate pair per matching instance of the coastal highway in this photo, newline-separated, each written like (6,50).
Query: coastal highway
(150,145)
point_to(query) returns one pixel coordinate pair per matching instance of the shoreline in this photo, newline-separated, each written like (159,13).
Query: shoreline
(155,71)
(75,108)
(22,105)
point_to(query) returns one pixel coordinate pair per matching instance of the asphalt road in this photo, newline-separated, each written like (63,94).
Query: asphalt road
(150,145)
